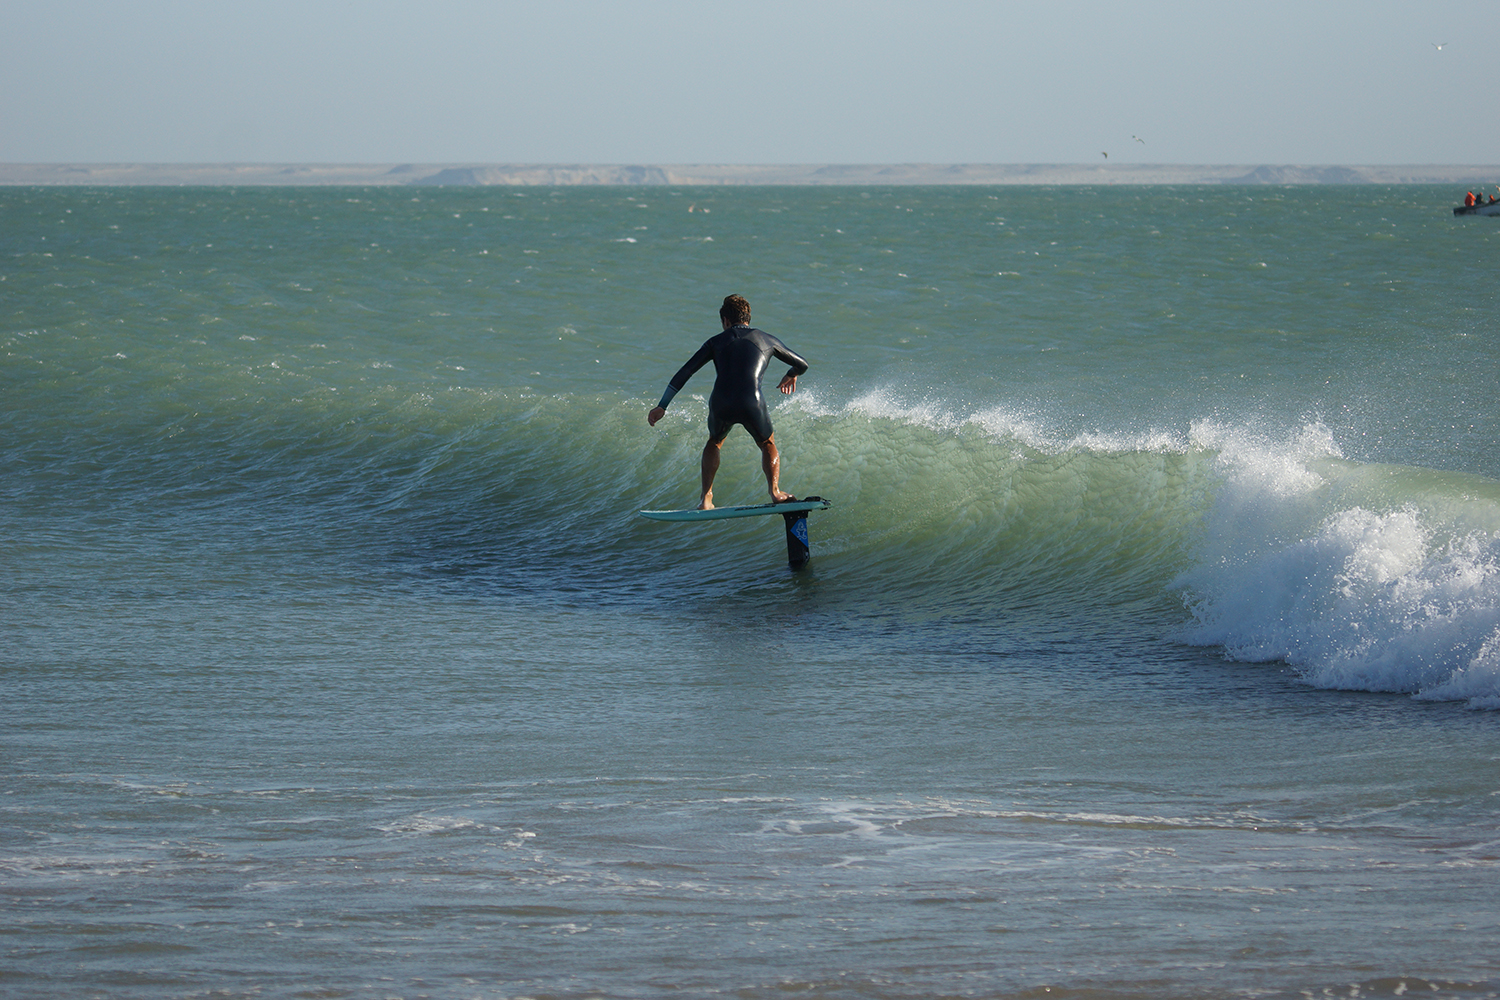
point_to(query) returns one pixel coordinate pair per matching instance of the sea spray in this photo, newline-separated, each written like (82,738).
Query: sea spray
(1359,577)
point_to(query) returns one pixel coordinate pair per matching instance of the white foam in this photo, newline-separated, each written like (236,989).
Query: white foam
(882,404)
(423,824)
(1303,561)
(999,423)
(1278,466)
(1477,682)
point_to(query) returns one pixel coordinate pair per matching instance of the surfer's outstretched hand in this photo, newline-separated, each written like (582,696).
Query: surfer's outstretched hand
(788,385)
(657,412)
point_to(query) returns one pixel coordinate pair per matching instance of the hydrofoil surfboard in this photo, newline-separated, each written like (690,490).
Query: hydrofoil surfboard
(794,512)
(746,510)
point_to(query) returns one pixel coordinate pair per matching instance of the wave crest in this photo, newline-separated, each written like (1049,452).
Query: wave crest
(1360,577)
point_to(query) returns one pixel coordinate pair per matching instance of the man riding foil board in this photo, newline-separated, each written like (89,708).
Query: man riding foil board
(740,355)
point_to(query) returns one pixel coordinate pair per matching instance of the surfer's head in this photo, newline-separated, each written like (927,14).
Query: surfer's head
(735,311)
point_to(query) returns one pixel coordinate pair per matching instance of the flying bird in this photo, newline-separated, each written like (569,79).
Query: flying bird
(1139,139)
(1438,47)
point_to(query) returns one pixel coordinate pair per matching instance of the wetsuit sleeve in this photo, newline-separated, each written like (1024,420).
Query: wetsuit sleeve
(791,357)
(675,384)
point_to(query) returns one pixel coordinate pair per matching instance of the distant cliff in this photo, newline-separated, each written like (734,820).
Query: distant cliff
(541,175)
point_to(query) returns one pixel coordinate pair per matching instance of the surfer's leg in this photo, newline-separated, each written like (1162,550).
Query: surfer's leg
(770,464)
(719,426)
(710,469)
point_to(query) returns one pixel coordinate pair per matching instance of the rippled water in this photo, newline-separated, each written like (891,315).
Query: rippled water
(337,662)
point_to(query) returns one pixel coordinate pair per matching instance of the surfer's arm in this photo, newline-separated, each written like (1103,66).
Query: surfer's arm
(675,384)
(784,353)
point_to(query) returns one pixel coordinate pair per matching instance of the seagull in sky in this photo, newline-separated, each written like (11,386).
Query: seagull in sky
(1438,47)
(1139,139)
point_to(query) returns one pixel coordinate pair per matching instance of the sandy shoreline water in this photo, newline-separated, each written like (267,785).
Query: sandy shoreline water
(330,174)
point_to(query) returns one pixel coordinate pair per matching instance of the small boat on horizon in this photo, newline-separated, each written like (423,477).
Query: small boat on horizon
(1482,208)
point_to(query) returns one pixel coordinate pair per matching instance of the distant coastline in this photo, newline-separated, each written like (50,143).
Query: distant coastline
(531,174)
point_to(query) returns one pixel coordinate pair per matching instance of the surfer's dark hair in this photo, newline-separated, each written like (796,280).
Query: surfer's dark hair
(735,309)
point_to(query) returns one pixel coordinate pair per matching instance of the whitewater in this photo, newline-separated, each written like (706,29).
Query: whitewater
(1151,647)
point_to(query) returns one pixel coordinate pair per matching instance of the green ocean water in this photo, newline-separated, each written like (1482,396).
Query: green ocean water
(1151,647)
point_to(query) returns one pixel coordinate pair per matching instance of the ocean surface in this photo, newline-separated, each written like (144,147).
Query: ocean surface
(1151,648)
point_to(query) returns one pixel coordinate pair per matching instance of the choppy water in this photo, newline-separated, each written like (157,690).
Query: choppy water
(1152,648)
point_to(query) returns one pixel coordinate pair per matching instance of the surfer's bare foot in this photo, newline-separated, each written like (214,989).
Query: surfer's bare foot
(707,502)
(779,497)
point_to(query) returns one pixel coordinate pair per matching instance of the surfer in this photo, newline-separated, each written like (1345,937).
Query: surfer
(740,355)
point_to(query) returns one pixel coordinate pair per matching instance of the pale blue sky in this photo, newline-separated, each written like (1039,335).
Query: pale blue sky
(815,81)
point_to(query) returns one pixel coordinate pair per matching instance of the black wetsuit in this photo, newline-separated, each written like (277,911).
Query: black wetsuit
(740,356)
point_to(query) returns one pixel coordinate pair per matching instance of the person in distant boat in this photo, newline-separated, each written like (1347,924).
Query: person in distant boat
(740,355)
(1469,200)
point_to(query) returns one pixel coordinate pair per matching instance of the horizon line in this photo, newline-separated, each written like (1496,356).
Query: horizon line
(538,174)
